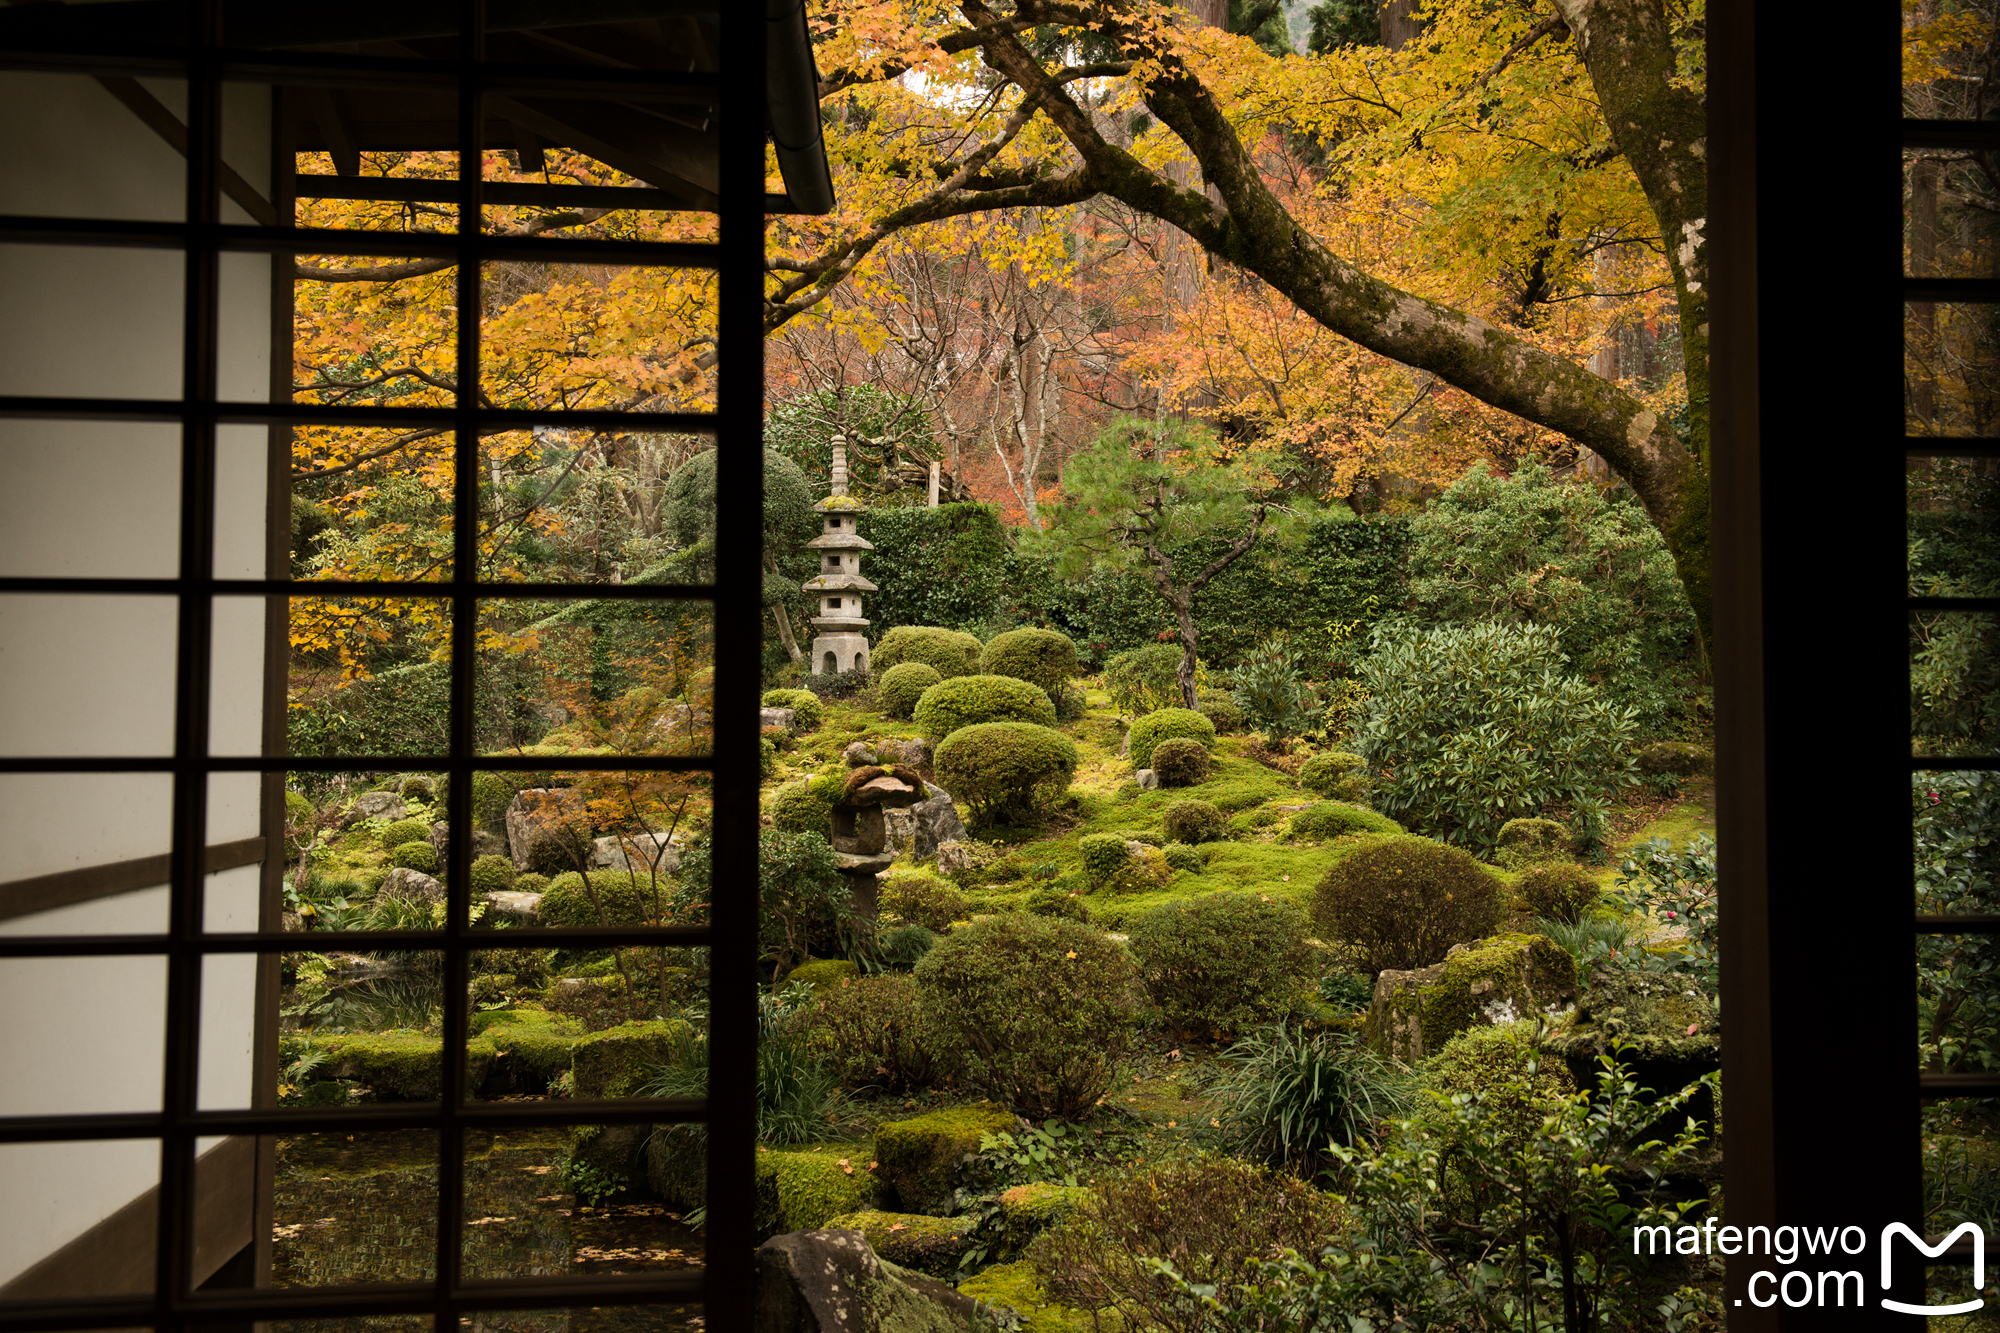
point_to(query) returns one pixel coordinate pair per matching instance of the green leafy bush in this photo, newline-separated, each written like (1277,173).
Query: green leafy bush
(1104,855)
(1006,769)
(1220,963)
(1335,776)
(902,948)
(1559,892)
(946,651)
(767,756)
(1193,822)
(1471,726)
(1041,1006)
(609,898)
(1525,841)
(923,901)
(807,807)
(1053,901)
(897,692)
(1183,857)
(965,701)
(872,1032)
(1271,688)
(398,832)
(1041,657)
(1155,727)
(1292,1096)
(1180,761)
(1334,819)
(1145,680)
(491,794)
(1346,990)
(416,787)
(416,856)
(1402,902)
(531,882)
(1221,709)
(805,904)
(807,711)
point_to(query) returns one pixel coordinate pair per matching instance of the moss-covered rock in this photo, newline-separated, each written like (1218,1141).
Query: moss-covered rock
(1497,980)
(926,1244)
(401,1066)
(919,1157)
(1669,1029)
(1026,1211)
(1017,1287)
(1337,819)
(1676,757)
(824,972)
(613,1062)
(531,1048)
(805,1190)
(831,1279)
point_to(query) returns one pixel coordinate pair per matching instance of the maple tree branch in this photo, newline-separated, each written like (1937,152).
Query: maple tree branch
(416,268)
(402,442)
(952,43)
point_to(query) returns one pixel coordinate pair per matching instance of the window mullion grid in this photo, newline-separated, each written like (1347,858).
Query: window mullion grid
(180,1080)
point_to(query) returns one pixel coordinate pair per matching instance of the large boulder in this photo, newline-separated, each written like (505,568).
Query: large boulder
(778,717)
(410,886)
(483,843)
(517,909)
(374,805)
(927,1244)
(937,823)
(830,1281)
(532,817)
(1668,1030)
(1496,980)
(919,1157)
(638,852)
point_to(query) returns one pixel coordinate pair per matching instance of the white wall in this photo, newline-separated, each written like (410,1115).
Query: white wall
(94,675)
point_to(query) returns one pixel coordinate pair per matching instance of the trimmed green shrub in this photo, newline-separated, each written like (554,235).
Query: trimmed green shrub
(1524,842)
(1402,902)
(1104,855)
(491,794)
(1005,769)
(1039,656)
(1153,728)
(1070,701)
(1041,1006)
(1335,776)
(1180,761)
(945,651)
(1221,709)
(627,899)
(1145,680)
(531,882)
(900,687)
(492,874)
(1559,892)
(872,1032)
(767,756)
(1057,902)
(807,711)
(921,900)
(1333,819)
(821,973)
(965,701)
(416,787)
(1470,726)
(1220,963)
(1183,857)
(807,807)
(395,834)
(1518,1084)
(1193,822)
(416,856)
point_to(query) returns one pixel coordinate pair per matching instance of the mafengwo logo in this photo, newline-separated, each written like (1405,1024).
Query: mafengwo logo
(1800,1287)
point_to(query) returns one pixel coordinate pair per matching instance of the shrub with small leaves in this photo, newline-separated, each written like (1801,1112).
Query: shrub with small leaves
(1183,857)
(1180,761)
(609,898)
(807,711)
(767,756)
(1334,819)
(1042,657)
(781,738)
(492,874)
(947,651)
(1103,854)
(872,1031)
(420,856)
(1346,990)
(1524,842)
(965,701)
(491,795)
(1006,769)
(902,685)
(923,901)
(1225,961)
(1402,902)
(900,949)
(1193,822)
(395,834)
(807,807)
(417,787)
(1165,724)
(531,883)
(1559,892)
(1057,902)
(1222,710)
(1335,776)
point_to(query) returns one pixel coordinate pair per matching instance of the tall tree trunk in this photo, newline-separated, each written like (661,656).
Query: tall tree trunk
(1399,23)
(784,619)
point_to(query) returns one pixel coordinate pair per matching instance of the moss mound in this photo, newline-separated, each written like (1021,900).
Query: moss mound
(946,651)
(918,1158)
(1155,727)
(900,687)
(965,701)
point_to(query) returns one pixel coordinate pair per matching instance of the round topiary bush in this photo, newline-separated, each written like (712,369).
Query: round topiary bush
(900,687)
(1005,769)
(921,900)
(1193,822)
(946,651)
(1333,819)
(1335,776)
(1153,728)
(1041,1006)
(1402,902)
(531,882)
(1220,963)
(1180,761)
(871,1031)
(416,856)
(1053,901)
(492,874)
(1039,656)
(807,711)
(1221,709)
(965,701)
(1104,855)
(611,898)
(395,834)
(1183,857)
(807,807)
(1556,891)
(416,787)
(1524,842)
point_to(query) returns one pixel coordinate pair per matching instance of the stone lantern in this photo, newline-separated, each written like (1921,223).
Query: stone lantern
(841,644)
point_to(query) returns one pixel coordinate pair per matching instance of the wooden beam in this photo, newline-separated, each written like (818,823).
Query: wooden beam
(39,893)
(165,124)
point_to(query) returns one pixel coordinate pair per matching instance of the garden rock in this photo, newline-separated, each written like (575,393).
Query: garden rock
(918,1158)
(900,829)
(1147,779)
(1668,1029)
(1495,981)
(291,922)
(483,843)
(410,886)
(520,909)
(916,753)
(779,717)
(830,1281)
(527,815)
(914,1240)
(374,805)
(937,824)
(636,853)
(953,857)
(859,754)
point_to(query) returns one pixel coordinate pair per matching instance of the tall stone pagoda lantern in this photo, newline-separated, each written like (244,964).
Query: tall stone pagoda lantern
(841,644)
